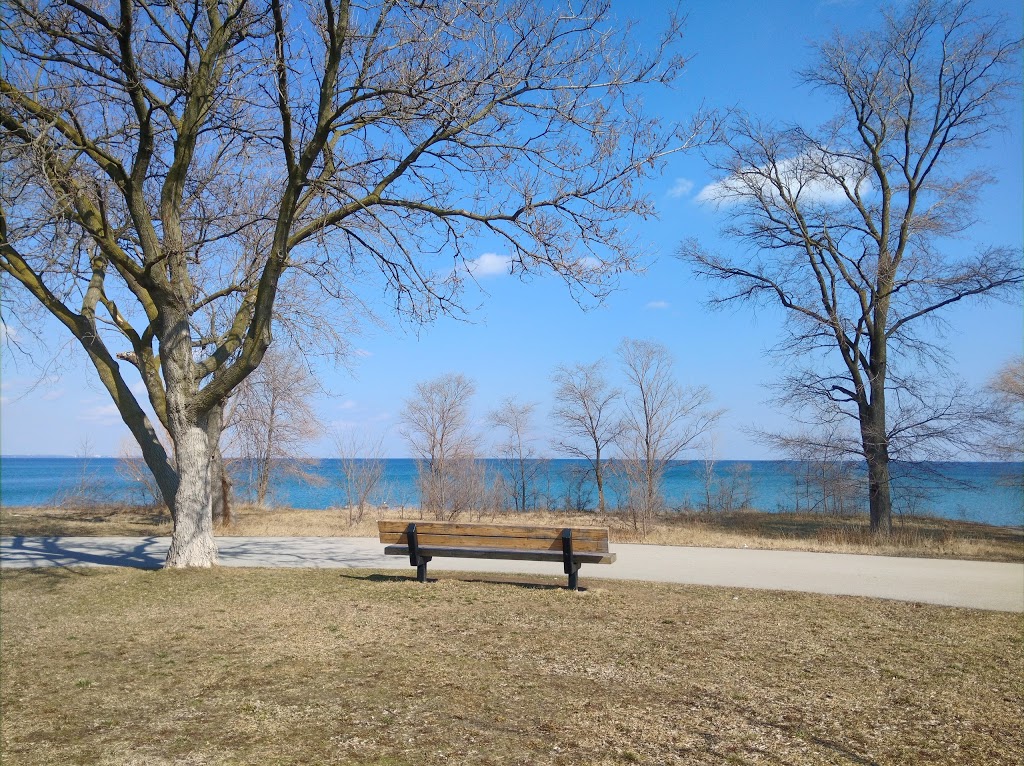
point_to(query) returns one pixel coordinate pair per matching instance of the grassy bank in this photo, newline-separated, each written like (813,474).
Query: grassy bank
(913,536)
(122,667)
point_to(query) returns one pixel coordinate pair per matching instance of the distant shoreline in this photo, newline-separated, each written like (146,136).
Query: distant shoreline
(989,492)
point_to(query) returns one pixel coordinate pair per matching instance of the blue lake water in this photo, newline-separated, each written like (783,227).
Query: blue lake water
(985,492)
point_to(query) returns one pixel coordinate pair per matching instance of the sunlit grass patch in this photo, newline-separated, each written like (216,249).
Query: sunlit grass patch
(319,666)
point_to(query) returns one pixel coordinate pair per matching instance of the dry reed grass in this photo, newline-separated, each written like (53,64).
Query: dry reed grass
(925,537)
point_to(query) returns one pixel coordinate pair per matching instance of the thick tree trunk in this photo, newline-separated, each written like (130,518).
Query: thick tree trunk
(192,543)
(880,492)
(220,485)
(876,453)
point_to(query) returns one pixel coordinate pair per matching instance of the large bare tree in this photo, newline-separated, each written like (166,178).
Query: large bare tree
(857,228)
(171,170)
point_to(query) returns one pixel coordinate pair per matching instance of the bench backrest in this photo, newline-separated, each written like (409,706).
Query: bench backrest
(517,537)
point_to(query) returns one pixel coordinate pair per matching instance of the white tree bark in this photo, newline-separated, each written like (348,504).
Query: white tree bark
(192,543)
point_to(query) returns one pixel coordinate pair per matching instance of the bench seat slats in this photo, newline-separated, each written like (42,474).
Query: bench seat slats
(503,542)
(421,541)
(500,553)
(493,530)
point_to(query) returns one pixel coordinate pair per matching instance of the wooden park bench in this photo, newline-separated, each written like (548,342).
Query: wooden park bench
(423,540)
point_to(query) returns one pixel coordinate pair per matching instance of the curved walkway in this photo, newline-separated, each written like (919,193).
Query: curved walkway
(974,584)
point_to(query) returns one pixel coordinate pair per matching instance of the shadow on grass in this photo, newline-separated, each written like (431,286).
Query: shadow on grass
(453,576)
(800,732)
(523,585)
(376,577)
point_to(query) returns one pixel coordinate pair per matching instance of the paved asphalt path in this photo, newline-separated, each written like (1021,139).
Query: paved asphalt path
(975,584)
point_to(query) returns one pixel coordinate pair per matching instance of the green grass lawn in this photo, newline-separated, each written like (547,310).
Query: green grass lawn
(230,666)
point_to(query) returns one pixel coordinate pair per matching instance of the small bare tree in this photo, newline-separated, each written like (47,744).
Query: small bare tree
(661,419)
(1005,437)
(87,489)
(709,458)
(132,468)
(735,490)
(272,419)
(435,422)
(517,451)
(361,470)
(586,418)
(726,488)
(827,477)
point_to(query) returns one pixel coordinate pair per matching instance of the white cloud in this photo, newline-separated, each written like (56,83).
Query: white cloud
(490,265)
(811,177)
(681,188)
(105,414)
(657,305)
(348,404)
(50,396)
(590,263)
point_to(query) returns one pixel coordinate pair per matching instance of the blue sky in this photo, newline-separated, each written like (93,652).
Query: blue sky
(745,54)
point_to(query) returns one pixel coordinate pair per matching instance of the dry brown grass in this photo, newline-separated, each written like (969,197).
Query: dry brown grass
(125,667)
(927,537)
(100,520)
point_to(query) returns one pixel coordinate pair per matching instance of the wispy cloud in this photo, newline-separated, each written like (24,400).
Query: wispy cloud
(50,396)
(681,188)
(358,424)
(814,177)
(657,305)
(490,265)
(105,414)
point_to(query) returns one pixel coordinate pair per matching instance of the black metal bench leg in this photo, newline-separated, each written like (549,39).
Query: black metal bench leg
(569,565)
(416,558)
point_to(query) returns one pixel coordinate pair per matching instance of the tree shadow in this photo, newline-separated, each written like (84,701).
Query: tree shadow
(30,552)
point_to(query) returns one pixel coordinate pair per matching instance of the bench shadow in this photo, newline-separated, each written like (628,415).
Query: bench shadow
(455,576)
(522,585)
(378,577)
